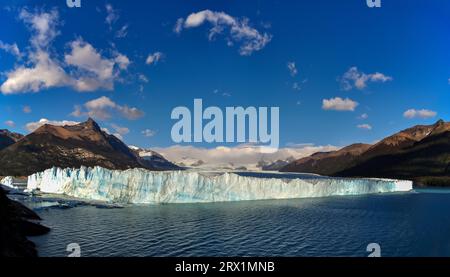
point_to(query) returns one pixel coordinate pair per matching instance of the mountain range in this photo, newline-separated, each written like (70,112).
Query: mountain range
(420,153)
(69,146)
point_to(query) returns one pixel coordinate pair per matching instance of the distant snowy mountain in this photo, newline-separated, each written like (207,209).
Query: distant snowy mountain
(154,159)
(275,166)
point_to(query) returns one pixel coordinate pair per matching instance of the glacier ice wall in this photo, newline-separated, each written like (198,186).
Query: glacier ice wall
(139,186)
(8,182)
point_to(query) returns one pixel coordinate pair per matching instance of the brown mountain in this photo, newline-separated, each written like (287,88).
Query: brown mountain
(8,138)
(427,160)
(421,153)
(67,146)
(328,163)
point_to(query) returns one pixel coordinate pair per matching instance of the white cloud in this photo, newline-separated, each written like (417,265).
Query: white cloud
(354,78)
(120,130)
(240,31)
(424,114)
(44,74)
(42,70)
(154,58)
(26,109)
(292,68)
(339,104)
(11,48)
(117,134)
(242,155)
(43,25)
(178,25)
(99,71)
(93,71)
(122,32)
(148,133)
(33,126)
(365,126)
(122,61)
(103,108)
(143,78)
(111,15)
(364,116)
(10,123)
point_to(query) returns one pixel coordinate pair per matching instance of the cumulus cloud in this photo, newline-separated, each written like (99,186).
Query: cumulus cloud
(365,126)
(122,61)
(241,155)
(424,114)
(45,73)
(154,58)
(43,26)
(148,133)
(292,68)
(354,78)
(240,31)
(12,49)
(89,71)
(94,71)
(103,108)
(10,123)
(33,126)
(339,104)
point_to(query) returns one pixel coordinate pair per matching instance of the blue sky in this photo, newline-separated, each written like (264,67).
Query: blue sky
(388,60)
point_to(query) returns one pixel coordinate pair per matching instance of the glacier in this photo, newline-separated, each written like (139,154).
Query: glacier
(140,186)
(8,182)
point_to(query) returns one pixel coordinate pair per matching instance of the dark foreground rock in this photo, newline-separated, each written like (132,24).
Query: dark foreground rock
(16,223)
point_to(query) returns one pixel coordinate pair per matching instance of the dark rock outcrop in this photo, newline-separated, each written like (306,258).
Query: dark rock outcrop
(15,227)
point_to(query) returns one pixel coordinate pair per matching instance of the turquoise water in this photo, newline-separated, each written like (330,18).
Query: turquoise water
(403,224)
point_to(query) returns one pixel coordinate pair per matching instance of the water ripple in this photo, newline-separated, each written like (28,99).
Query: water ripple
(411,224)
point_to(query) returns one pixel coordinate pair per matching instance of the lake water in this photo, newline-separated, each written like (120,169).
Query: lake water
(403,224)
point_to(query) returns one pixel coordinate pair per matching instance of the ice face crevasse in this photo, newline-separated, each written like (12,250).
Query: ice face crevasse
(139,186)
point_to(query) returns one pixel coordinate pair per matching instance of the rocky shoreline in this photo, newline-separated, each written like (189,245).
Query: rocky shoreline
(16,223)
